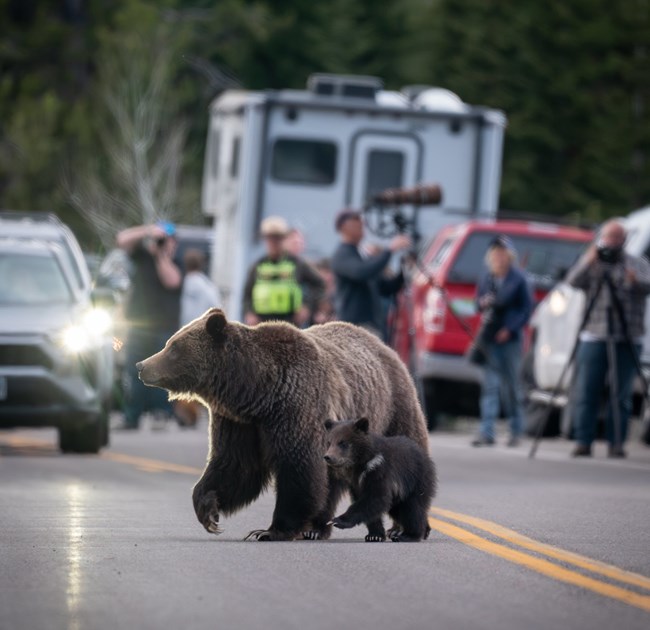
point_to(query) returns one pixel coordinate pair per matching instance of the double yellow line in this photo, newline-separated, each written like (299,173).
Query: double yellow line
(539,563)
(570,568)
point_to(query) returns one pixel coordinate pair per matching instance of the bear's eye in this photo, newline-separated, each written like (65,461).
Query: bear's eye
(343,445)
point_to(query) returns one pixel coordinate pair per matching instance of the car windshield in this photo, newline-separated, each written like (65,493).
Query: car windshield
(544,259)
(27,279)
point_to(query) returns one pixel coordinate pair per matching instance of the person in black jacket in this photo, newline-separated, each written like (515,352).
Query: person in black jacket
(361,281)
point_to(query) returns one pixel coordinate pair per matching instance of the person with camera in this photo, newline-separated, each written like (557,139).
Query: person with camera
(605,268)
(152,312)
(361,280)
(505,302)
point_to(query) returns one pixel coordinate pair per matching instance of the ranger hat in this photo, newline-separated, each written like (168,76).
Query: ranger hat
(274,226)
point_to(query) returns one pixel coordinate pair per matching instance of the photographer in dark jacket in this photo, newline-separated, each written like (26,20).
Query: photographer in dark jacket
(152,311)
(630,277)
(504,298)
(360,281)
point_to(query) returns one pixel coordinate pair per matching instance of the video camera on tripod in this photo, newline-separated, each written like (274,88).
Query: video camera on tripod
(385,215)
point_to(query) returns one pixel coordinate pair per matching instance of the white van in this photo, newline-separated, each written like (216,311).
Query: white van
(305,154)
(557,319)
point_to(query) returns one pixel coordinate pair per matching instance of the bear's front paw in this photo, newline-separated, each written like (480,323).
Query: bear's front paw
(375,538)
(206,507)
(341,523)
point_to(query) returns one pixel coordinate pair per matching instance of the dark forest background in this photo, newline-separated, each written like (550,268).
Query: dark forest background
(103,103)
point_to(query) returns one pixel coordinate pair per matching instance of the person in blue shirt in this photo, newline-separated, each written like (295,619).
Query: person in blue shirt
(505,302)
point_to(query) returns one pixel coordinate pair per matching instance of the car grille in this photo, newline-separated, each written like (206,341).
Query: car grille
(24,356)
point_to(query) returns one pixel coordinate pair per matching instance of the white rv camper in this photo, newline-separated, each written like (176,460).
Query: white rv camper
(305,154)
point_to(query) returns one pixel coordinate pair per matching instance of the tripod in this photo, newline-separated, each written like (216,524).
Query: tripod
(615,308)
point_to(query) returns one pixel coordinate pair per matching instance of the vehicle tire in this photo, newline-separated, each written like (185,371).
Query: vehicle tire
(104,424)
(85,438)
(431,403)
(537,412)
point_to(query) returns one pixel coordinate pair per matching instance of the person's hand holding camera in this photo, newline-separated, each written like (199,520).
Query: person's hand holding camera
(487,301)
(399,242)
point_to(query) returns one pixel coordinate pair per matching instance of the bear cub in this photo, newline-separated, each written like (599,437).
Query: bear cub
(390,475)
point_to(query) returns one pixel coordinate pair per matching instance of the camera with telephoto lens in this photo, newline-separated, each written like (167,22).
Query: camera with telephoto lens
(609,255)
(486,332)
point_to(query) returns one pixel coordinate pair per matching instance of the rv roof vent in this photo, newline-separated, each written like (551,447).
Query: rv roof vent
(351,86)
(439,100)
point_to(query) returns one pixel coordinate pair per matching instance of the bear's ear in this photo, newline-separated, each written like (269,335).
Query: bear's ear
(362,425)
(328,424)
(216,324)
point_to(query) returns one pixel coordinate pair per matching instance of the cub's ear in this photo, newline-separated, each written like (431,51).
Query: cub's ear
(362,425)
(329,424)
(216,324)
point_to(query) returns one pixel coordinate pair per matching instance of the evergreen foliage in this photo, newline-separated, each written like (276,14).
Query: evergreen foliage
(573,78)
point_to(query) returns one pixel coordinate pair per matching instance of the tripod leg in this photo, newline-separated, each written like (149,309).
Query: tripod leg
(549,409)
(558,387)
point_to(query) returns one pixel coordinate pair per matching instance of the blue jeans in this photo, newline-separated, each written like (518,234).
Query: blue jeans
(139,398)
(591,376)
(501,382)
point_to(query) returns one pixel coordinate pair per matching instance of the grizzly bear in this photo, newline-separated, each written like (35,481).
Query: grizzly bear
(387,475)
(268,388)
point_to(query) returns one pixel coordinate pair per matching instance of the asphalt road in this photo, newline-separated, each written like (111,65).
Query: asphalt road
(111,542)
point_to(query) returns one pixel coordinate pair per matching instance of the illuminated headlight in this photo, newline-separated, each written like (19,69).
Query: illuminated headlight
(557,303)
(76,339)
(89,333)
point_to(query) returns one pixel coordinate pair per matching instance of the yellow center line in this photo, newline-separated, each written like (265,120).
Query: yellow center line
(150,465)
(562,555)
(541,566)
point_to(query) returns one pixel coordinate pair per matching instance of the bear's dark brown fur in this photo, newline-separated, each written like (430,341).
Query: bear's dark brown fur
(268,389)
(387,475)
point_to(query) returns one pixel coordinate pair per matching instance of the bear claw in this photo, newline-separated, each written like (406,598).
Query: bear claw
(260,535)
(311,535)
(370,538)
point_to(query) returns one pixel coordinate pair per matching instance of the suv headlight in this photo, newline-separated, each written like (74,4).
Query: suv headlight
(90,333)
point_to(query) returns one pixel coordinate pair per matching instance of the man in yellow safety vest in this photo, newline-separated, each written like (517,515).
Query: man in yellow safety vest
(274,286)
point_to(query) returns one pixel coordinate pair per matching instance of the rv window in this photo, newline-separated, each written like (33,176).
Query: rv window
(304,161)
(215,146)
(234,160)
(385,169)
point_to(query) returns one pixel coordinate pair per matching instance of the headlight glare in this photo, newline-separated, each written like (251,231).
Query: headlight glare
(76,339)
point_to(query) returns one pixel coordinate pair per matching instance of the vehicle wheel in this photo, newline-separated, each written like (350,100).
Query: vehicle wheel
(86,438)
(537,412)
(104,424)
(431,403)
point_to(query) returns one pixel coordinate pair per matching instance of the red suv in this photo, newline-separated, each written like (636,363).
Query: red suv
(431,339)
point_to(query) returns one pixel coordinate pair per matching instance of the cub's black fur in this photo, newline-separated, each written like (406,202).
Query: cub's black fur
(386,475)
